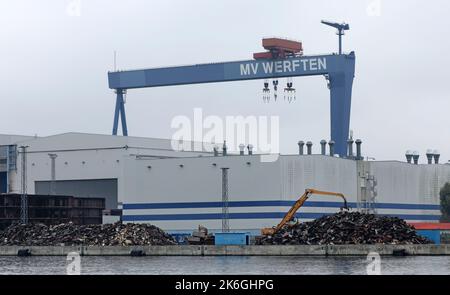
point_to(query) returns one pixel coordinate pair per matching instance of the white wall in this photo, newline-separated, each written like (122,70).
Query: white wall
(199,180)
(318,172)
(407,183)
(403,189)
(403,183)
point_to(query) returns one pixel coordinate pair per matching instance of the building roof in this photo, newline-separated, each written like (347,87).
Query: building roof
(82,141)
(11,139)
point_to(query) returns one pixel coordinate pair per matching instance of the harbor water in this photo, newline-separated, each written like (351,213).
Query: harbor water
(57,265)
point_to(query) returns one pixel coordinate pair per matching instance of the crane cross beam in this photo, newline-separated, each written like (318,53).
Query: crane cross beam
(231,71)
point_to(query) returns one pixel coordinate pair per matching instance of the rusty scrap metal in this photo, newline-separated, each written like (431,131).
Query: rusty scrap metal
(69,234)
(346,228)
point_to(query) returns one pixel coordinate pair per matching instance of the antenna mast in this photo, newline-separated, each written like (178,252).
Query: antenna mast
(24,195)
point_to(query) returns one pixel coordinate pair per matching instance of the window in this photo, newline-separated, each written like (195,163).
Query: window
(12,157)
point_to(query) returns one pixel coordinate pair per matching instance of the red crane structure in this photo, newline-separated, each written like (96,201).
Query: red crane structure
(279,48)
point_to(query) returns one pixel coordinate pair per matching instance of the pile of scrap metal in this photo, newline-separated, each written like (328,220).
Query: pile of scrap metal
(345,228)
(201,237)
(68,234)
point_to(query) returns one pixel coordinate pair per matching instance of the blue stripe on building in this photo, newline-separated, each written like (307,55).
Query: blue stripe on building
(255,215)
(274,203)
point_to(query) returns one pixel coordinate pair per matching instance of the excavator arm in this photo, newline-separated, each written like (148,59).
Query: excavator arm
(299,203)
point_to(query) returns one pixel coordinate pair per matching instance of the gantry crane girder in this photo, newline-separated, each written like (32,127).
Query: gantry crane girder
(339,70)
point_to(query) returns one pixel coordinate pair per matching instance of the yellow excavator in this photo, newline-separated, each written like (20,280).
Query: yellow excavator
(291,213)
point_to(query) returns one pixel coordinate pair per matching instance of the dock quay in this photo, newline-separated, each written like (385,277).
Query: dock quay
(230,250)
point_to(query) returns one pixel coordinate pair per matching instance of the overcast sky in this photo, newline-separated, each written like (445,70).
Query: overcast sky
(54,63)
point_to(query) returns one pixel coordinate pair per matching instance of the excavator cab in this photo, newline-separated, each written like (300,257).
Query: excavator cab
(290,215)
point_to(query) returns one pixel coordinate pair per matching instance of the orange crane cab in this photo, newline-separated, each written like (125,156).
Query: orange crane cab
(279,48)
(291,213)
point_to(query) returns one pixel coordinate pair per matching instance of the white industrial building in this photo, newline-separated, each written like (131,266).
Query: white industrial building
(178,190)
(88,165)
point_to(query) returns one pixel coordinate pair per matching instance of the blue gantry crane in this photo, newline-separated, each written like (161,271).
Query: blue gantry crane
(338,69)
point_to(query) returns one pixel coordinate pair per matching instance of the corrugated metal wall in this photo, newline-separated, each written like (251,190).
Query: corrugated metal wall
(319,172)
(179,194)
(182,193)
(403,182)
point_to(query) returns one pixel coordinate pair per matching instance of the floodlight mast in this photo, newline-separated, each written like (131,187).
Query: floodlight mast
(341,30)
